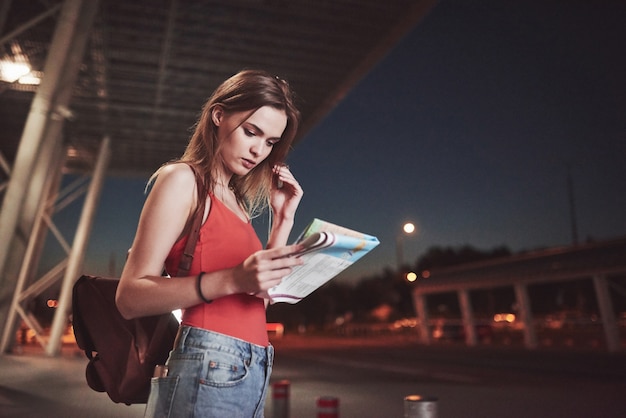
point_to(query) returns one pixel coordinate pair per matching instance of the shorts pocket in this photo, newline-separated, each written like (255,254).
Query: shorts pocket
(161,397)
(225,369)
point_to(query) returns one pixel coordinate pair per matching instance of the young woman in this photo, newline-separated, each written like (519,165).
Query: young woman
(222,359)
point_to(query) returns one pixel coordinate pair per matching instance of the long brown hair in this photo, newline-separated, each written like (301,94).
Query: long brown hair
(246,91)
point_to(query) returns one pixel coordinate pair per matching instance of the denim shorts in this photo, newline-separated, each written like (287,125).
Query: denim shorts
(212,375)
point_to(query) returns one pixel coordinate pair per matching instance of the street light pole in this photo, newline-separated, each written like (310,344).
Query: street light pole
(408,228)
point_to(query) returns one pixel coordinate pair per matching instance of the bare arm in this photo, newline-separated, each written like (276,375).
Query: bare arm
(284,201)
(143,291)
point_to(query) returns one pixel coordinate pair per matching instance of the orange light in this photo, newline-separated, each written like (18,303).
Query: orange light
(504,317)
(426,274)
(276,327)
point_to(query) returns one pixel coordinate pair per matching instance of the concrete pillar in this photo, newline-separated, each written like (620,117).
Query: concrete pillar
(609,322)
(422,318)
(523,303)
(469,324)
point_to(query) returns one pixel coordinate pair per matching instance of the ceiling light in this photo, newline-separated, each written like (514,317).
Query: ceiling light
(30,79)
(11,71)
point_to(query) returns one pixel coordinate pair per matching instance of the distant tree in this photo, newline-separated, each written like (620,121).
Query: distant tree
(437,257)
(367,295)
(321,307)
(339,300)
(441,257)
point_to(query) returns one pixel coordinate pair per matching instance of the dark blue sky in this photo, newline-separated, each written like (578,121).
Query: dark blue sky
(466,128)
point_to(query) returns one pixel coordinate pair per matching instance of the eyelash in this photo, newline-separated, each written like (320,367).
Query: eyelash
(249,133)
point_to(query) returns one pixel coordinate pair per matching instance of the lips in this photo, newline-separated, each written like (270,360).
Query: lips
(248,164)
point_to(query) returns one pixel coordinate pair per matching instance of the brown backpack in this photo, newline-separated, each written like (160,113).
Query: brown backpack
(123,353)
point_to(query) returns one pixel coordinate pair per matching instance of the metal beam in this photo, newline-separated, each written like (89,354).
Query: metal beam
(33,22)
(42,130)
(4,166)
(164,59)
(4,12)
(28,264)
(79,246)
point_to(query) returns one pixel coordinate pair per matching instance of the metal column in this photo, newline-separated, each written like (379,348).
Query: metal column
(6,168)
(29,262)
(42,129)
(67,268)
(81,239)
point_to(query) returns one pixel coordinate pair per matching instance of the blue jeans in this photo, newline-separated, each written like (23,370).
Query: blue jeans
(212,375)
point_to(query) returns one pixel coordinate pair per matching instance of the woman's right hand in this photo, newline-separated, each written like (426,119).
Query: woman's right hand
(265,269)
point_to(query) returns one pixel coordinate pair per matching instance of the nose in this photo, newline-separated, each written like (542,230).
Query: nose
(255,148)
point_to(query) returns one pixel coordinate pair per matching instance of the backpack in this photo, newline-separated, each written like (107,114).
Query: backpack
(123,353)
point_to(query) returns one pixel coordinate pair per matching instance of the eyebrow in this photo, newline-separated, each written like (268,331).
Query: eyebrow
(261,132)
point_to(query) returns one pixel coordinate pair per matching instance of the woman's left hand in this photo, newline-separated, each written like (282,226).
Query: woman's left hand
(286,193)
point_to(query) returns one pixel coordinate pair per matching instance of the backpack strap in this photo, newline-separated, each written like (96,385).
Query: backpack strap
(187,257)
(185,262)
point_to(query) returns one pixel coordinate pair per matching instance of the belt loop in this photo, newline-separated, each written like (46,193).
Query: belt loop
(250,352)
(269,354)
(181,336)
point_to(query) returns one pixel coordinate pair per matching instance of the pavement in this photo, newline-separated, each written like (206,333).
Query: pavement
(33,384)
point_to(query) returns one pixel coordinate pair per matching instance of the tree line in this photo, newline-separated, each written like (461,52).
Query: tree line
(337,302)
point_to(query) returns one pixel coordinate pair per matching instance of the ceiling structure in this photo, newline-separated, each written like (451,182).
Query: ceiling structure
(151,64)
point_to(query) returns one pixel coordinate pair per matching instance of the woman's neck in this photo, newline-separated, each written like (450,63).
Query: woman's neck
(221,178)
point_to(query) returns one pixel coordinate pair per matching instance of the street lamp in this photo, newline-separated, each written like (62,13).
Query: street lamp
(407,229)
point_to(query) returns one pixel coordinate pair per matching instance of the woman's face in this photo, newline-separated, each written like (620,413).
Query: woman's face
(246,142)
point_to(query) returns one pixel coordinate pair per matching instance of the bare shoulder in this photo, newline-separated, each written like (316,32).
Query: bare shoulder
(175,179)
(176,175)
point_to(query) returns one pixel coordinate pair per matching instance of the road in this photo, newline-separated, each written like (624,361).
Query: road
(372,377)
(369,376)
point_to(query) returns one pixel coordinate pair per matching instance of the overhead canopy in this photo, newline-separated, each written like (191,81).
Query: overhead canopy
(151,64)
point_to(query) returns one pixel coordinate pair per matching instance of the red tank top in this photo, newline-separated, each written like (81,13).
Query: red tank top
(224,242)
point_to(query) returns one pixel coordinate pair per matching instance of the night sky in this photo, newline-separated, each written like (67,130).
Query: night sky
(467,128)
